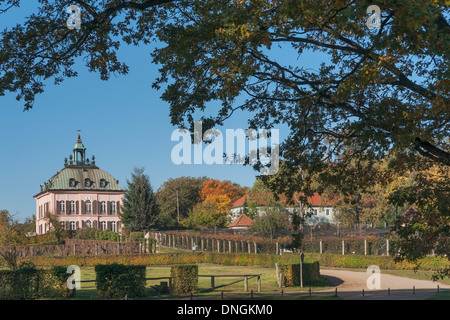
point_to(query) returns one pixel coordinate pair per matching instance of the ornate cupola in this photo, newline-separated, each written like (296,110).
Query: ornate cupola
(79,152)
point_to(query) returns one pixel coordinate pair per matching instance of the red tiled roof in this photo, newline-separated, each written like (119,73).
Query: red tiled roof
(314,200)
(241,221)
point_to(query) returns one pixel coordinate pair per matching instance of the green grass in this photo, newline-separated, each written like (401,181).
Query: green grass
(269,284)
(443,295)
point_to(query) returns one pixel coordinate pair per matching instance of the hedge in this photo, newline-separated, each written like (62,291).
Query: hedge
(184,278)
(291,273)
(32,283)
(117,280)
(241,259)
(428,263)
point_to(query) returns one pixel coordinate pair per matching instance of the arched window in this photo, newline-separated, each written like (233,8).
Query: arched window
(88,224)
(113,226)
(72,225)
(63,225)
(113,207)
(103,225)
(88,207)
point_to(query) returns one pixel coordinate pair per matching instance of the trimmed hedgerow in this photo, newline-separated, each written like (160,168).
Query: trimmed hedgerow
(242,259)
(117,280)
(184,278)
(31,283)
(291,273)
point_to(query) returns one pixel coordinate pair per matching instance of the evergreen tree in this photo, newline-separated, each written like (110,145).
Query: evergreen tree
(139,209)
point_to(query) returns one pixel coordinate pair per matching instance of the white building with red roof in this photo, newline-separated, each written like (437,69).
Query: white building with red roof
(320,208)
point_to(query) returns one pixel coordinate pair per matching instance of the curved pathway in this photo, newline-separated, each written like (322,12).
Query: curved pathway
(350,285)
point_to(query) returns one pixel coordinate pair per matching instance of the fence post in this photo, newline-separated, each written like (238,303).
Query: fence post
(256,251)
(365,247)
(212,281)
(259,283)
(320,245)
(248,245)
(245,283)
(276,248)
(387,247)
(74,249)
(343,247)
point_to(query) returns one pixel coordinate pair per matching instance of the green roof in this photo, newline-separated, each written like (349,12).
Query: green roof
(81,178)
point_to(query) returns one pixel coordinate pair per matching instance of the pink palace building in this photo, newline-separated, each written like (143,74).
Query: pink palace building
(81,195)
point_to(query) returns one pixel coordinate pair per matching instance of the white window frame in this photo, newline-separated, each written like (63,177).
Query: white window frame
(103,207)
(88,206)
(72,207)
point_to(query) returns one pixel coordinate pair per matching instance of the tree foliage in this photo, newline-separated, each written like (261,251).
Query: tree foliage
(140,210)
(377,94)
(188,189)
(271,223)
(215,201)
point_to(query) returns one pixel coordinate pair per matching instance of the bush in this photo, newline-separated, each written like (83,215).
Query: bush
(107,235)
(86,233)
(32,283)
(291,273)
(117,280)
(184,278)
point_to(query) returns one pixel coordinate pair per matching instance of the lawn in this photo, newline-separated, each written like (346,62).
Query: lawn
(269,285)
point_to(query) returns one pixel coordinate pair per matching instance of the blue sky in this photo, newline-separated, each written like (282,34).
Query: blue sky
(123,122)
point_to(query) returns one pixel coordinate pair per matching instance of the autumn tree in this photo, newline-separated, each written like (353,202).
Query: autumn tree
(425,227)
(271,223)
(213,187)
(178,194)
(11,230)
(216,199)
(211,213)
(377,91)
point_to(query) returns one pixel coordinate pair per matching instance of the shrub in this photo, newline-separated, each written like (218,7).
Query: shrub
(291,273)
(117,280)
(32,283)
(107,235)
(184,278)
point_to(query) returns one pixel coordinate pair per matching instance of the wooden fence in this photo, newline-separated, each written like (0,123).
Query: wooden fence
(78,247)
(218,244)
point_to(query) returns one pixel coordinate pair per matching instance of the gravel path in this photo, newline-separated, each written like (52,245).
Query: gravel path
(350,285)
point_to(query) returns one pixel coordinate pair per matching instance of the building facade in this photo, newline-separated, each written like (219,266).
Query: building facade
(320,208)
(80,195)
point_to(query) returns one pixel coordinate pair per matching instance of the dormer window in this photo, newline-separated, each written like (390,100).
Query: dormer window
(72,182)
(103,183)
(87,183)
